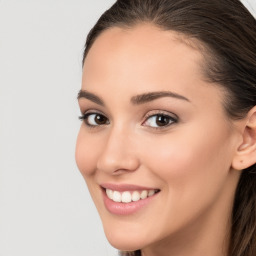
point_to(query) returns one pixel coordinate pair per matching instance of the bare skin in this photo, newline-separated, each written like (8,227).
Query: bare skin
(182,143)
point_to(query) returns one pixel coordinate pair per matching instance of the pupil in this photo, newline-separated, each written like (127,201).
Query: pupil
(99,119)
(162,120)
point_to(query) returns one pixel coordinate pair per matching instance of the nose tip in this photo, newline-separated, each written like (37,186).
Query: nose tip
(117,165)
(118,156)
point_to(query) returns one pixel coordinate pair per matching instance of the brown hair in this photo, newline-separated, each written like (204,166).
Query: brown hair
(226,33)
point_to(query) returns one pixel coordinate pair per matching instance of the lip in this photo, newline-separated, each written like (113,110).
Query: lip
(125,187)
(126,208)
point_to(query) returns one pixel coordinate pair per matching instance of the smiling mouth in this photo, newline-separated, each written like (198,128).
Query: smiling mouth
(129,196)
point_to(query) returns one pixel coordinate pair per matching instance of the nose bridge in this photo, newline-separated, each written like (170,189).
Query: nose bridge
(118,151)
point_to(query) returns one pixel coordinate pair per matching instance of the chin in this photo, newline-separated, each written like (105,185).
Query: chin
(124,241)
(123,245)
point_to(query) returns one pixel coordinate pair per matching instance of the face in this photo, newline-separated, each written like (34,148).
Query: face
(155,146)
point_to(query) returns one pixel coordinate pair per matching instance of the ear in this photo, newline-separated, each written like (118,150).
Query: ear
(245,155)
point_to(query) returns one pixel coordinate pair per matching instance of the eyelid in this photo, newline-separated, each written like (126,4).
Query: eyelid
(173,117)
(92,111)
(161,112)
(87,113)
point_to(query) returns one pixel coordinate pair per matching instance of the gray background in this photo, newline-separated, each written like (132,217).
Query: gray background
(45,208)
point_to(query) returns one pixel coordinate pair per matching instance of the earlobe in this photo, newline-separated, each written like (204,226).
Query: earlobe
(246,152)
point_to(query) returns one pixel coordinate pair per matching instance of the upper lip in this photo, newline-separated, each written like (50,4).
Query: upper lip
(125,187)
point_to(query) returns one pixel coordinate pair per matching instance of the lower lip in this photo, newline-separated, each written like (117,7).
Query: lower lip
(126,208)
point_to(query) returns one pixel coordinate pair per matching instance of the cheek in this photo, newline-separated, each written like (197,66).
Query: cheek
(184,161)
(86,153)
(192,173)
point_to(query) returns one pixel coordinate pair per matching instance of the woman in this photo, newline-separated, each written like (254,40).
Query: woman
(168,140)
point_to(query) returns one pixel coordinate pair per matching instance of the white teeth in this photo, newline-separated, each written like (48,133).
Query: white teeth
(127,196)
(109,193)
(144,194)
(151,192)
(135,196)
(117,197)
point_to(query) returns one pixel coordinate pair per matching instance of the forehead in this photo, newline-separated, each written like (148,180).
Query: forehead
(145,58)
(143,44)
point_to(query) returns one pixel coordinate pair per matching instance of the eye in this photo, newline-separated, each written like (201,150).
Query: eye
(94,119)
(159,120)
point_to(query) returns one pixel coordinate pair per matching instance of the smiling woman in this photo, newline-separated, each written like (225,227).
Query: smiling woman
(167,145)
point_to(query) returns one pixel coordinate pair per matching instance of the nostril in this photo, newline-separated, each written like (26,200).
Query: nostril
(121,171)
(117,165)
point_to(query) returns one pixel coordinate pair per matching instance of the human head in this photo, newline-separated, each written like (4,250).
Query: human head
(225,33)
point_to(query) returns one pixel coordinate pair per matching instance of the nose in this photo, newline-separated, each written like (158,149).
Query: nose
(118,155)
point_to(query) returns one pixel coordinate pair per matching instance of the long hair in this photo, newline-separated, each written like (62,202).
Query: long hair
(225,33)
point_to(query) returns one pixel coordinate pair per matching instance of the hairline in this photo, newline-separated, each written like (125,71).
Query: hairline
(208,55)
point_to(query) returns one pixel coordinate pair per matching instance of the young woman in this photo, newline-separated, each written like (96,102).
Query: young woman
(167,146)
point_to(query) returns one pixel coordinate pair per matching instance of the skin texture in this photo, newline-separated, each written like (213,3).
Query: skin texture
(190,160)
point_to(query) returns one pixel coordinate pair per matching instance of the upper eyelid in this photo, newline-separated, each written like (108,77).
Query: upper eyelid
(174,119)
(161,112)
(92,111)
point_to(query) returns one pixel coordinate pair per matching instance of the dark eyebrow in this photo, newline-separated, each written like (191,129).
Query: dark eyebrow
(150,96)
(90,96)
(138,99)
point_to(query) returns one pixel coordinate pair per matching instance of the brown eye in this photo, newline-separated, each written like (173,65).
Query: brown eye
(162,120)
(100,119)
(159,120)
(95,119)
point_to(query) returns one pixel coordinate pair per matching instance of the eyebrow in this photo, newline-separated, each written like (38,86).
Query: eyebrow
(90,96)
(136,100)
(150,96)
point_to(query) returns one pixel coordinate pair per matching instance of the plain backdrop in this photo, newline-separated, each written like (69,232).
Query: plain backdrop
(45,207)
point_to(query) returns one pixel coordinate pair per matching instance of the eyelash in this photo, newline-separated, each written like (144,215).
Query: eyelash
(171,119)
(85,117)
